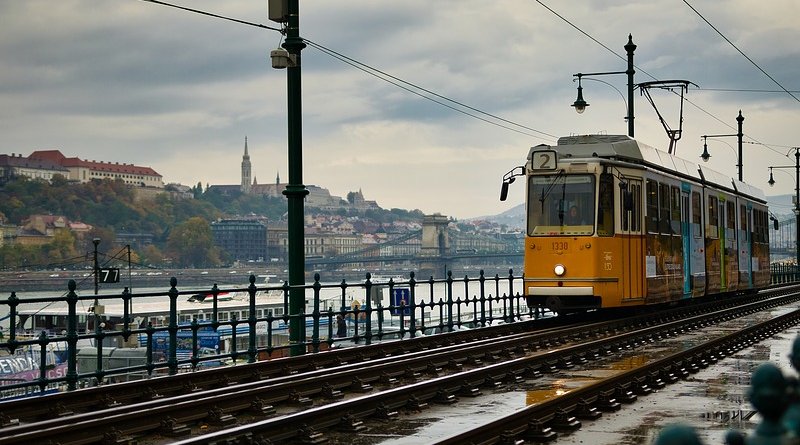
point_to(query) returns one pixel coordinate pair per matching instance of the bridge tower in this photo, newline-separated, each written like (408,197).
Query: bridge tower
(435,247)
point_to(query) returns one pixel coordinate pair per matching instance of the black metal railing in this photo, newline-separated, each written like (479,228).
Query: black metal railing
(80,340)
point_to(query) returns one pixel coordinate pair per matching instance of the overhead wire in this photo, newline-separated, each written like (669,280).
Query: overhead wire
(639,69)
(740,51)
(407,86)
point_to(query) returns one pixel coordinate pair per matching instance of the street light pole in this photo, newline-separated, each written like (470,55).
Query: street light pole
(771,183)
(705,155)
(580,104)
(96,242)
(295,190)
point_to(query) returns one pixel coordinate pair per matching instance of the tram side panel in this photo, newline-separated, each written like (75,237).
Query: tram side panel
(663,247)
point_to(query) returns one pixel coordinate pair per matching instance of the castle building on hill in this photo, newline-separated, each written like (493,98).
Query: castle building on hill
(84,171)
(318,197)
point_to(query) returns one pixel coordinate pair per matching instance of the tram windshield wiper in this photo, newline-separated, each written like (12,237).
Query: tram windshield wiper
(546,193)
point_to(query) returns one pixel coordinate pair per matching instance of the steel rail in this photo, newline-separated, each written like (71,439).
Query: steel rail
(442,389)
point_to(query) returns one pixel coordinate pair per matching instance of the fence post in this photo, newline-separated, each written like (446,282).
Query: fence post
(412,284)
(251,320)
(172,359)
(72,337)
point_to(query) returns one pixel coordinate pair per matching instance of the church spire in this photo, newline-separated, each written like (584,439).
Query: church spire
(246,170)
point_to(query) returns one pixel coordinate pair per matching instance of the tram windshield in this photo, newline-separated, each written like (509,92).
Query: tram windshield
(561,204)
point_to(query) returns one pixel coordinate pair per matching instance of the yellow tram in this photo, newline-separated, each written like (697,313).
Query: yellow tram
(612,222)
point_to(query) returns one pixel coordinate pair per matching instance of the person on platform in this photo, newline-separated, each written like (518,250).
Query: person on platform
(341,326)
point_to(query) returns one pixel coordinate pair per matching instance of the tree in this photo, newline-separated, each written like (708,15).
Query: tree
(190,244)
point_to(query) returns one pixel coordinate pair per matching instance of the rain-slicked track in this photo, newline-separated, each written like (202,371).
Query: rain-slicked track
(436,372)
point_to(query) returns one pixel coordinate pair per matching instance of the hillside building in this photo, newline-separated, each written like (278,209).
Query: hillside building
(84,171)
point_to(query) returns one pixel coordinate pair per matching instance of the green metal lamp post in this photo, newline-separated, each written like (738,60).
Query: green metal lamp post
(771,183)
(705,156)
(580,104)
(288,12)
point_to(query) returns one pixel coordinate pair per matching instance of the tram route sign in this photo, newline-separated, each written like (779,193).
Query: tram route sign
(108,275)
(544,160)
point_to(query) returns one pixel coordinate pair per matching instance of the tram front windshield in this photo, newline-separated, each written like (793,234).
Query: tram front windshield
(561,204)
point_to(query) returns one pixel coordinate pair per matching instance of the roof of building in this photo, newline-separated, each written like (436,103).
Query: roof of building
(20,161)
(57,157)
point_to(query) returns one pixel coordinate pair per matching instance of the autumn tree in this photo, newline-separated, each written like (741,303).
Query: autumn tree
(190,244)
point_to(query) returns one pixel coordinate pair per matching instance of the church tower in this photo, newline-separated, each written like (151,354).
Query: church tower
(246,169)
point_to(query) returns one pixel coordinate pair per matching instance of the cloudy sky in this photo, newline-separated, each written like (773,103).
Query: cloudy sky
(137,82)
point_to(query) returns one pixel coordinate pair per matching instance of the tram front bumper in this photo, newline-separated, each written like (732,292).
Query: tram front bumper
(561,299)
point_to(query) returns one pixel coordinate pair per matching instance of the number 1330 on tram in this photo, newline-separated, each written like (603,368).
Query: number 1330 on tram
(614,223)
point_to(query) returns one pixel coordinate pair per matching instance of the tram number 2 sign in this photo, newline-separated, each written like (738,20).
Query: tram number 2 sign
(544,160)
(108,275)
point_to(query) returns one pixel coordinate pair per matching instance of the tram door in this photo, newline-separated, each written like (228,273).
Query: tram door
(686,237)
(632,280)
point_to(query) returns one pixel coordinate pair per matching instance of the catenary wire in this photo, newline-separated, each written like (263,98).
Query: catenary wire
(740,51)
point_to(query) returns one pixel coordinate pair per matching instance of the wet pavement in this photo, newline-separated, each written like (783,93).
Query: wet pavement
(712,400)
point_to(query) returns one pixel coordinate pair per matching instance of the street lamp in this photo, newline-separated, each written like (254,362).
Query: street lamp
(288,13)
(580,104)
(796,209)
(739,135)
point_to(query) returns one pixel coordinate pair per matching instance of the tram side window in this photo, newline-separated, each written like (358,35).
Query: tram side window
(675,206)
(730,219)
(605,210)
(652,206)
(630,220)
(664,207)
(713,217)
(696,209)
(744,227)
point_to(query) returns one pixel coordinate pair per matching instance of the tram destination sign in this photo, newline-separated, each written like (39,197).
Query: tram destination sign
(544,160)
(108,275)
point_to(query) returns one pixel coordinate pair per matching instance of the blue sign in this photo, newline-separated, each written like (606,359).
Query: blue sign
(205,339)
(401,298)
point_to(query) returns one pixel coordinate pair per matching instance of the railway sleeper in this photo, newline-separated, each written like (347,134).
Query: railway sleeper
(6,421)
(296,398)
(539,432)
(309,435)
(509,438)
(606,402)
(116,437)
(655,380)
(171,428)
(351,424)
(433,370)
(387,379)
(217,417)
(469,390)
(361,386)
(587,411)
(58,410)
(624,395)
(331,393)
(383,412)
(445,397)
(261,407)
(563,421)
(641,386)
(416,404)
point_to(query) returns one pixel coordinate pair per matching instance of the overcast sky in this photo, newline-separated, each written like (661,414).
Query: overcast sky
(136,82)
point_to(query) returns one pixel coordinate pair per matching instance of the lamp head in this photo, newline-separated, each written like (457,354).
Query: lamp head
(580,104)
(705,154)
(771,181)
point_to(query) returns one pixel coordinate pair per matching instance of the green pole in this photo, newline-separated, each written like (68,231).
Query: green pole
(295,191)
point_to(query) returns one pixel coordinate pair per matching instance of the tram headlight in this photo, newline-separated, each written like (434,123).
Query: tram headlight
(559,270)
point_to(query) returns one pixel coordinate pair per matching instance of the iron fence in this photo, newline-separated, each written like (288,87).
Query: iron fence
(76,340)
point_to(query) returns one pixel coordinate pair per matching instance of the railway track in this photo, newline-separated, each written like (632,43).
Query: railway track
(279,405)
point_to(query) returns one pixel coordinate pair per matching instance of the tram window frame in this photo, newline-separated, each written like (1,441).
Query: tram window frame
(652,206)
(696,214)
(605,205)
(675,207)
(630,219)
(713,217)
(664,226)
(730,215)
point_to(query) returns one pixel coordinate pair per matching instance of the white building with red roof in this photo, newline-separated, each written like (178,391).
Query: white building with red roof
(84,171)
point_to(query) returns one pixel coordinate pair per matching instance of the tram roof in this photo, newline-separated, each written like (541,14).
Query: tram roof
(625,148)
